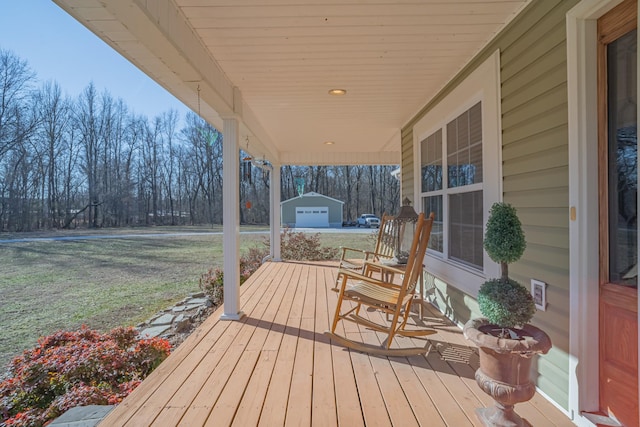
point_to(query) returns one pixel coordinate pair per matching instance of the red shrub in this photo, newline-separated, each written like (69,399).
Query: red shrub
(70,369)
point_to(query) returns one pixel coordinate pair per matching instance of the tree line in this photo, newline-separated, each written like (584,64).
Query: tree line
(90,161)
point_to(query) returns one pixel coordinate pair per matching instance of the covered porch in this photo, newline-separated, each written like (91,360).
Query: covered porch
(276,367)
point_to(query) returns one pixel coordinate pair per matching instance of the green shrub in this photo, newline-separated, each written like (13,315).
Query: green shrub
(78,368)
(504,239)
(507,304)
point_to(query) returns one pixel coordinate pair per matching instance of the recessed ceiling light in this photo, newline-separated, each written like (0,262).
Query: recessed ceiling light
(329,143)
(337,92)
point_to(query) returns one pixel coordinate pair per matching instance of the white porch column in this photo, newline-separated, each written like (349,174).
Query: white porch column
(231,219)
(274,223)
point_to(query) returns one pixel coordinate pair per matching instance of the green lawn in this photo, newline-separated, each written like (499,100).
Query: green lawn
(51,285)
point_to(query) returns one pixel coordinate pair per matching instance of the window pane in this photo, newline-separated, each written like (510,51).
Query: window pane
(465,228)
(452,138)
(434,204)
(462,124)
(431,162)
(464,148)
(623,160)
(475,124)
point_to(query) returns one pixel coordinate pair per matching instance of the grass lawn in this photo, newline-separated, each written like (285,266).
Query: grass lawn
(49,285)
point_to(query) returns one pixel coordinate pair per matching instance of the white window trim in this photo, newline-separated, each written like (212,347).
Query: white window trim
(483,84)
(583,203)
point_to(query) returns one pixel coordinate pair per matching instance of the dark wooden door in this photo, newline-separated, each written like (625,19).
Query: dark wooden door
(618,182)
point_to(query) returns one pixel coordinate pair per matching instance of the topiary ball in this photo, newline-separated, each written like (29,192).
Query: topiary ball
(506,304)
(504,239)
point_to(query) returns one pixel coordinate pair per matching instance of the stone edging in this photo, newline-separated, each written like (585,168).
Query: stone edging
(174,322)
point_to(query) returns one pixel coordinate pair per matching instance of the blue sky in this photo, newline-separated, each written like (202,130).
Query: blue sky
(59,48)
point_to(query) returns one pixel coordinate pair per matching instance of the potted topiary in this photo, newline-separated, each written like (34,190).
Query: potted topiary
(504,336)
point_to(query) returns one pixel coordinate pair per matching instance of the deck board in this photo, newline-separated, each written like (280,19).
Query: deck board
(323,405)
(300,391)
(275,367)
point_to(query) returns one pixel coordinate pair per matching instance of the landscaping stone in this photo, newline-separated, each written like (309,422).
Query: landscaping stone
(165,319)
(199,301)
(174,323)
(82,416)
(182,326)
(154,331)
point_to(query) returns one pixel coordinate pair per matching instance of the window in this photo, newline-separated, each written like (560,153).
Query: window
(460,194)
(458,175)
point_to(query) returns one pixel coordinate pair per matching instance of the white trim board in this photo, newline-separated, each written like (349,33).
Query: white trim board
(583,204)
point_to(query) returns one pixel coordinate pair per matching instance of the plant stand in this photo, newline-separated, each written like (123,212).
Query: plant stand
(504,372)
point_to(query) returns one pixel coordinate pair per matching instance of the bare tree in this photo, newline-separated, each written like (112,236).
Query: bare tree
(54,112)
(89,124)
(169,122)
(16,80)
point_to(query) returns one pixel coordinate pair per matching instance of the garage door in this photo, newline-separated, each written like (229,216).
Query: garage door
(312,217)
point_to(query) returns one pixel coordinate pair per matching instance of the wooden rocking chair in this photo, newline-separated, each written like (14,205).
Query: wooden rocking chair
(355,259)
(384,295)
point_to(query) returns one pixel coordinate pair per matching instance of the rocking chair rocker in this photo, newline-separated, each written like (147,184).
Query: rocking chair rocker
(382,294)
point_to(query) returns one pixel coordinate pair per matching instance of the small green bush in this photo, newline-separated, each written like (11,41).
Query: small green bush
(504,239)
(506,304)
(76,368)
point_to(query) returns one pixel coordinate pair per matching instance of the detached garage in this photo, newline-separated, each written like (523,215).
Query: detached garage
(311,210)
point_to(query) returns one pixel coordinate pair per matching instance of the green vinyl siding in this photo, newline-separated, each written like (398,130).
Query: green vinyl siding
(535,172)
(407,166)
(546,140)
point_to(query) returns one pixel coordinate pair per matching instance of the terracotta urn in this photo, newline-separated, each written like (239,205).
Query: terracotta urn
(504,372)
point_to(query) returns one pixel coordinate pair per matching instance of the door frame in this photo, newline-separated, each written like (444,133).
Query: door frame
(583,206)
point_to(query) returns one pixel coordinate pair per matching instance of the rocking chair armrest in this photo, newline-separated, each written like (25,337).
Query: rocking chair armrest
(384,268)
(346,249)
(350,274)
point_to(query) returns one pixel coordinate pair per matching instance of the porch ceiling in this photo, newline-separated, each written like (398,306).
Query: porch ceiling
(271,63)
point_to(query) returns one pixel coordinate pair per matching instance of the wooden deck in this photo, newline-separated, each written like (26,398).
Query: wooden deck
(275,367)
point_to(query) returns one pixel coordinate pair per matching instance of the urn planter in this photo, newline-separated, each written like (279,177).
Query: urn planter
(505,366)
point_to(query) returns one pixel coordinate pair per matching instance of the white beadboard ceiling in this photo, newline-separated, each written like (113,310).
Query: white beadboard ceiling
(270,63)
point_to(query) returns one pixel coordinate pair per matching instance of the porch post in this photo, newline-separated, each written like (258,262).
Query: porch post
(231,219)
(274,224)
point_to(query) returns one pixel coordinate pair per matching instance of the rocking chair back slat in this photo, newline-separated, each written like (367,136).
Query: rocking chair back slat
(387,237)
(355,259)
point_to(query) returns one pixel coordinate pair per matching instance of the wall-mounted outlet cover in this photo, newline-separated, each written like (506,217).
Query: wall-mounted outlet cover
(539,293)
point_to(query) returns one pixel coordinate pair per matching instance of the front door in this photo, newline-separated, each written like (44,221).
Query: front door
(618,181)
